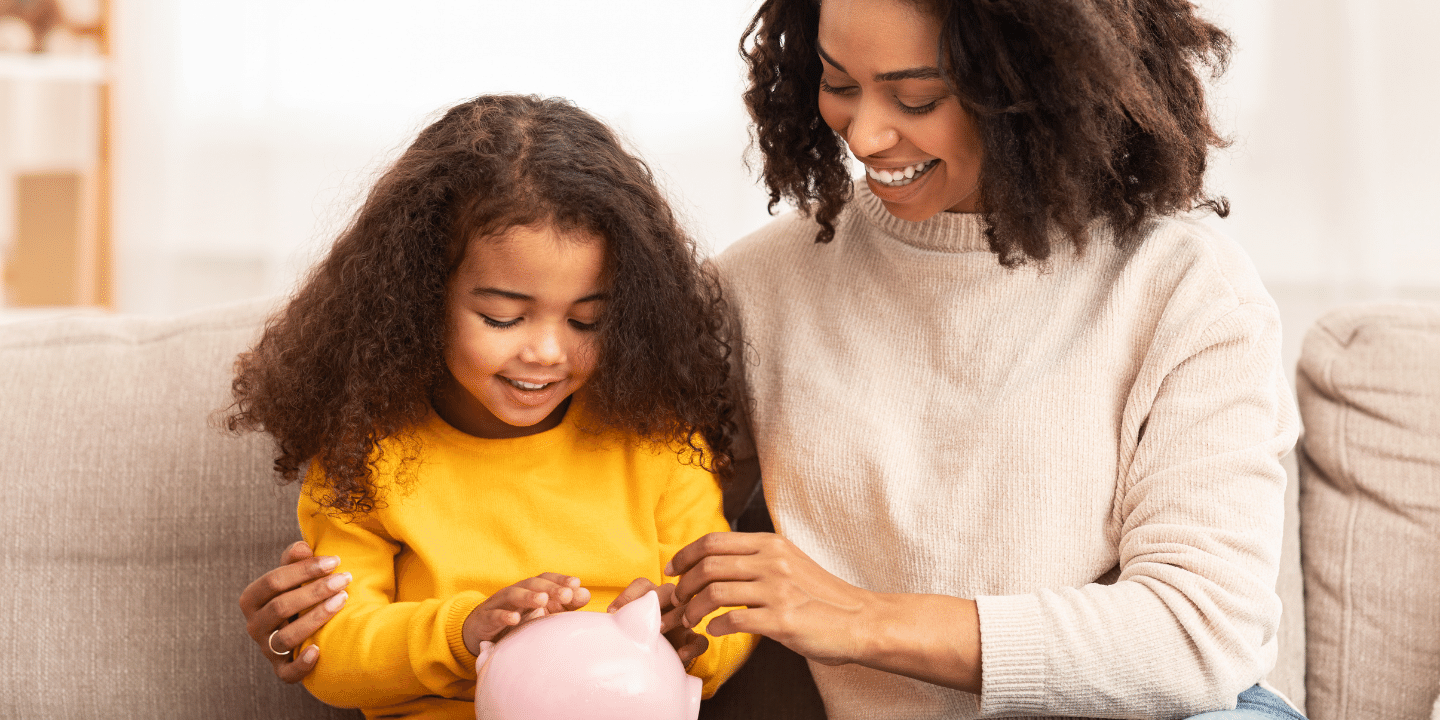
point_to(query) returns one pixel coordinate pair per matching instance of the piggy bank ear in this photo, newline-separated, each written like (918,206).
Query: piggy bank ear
(640,619)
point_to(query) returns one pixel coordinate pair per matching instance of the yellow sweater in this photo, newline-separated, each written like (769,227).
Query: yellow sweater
(481,515)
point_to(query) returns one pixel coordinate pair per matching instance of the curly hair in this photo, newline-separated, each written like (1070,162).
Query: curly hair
(358,354)
(1087,109)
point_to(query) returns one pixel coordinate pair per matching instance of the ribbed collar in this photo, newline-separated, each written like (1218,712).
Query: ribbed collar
(945,232)
(566,431)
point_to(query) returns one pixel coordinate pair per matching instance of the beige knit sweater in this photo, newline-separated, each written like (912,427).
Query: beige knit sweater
(1090,451)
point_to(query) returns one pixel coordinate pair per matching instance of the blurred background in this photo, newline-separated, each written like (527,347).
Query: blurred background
(162,155)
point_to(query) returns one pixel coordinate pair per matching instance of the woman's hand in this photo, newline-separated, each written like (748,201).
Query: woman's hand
(788,597)
(272,603)
(785,595)
(688,644)
(546,593)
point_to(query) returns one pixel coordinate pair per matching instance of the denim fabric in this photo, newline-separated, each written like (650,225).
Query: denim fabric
(1257,703)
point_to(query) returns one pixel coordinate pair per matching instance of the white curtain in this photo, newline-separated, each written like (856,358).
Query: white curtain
(246,132)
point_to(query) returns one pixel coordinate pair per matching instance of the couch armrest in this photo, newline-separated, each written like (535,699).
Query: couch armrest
(132,523)
(1368,385)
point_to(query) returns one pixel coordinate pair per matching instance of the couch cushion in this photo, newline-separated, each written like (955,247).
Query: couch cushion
(132,523)
(1368,384)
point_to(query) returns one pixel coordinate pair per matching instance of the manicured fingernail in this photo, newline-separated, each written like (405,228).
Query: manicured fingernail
(335,602)
(670,569)
(309,654)
(566,594)
(335,582)
(329,562)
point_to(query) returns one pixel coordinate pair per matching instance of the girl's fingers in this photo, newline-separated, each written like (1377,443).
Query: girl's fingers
(493,621)
(692,646)
(580,600)
(632,592)
(673,619)
(563,591)
(552,592)
(666,595)
(559,579)
(523,596)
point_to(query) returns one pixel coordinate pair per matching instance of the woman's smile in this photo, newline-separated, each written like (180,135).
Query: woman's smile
(883,92)
(900,177)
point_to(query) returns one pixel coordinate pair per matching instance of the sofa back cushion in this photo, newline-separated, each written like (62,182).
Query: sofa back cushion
(131,523)
(1368,384)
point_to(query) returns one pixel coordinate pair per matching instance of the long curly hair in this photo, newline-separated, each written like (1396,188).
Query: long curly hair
(358,353)
(1087,109)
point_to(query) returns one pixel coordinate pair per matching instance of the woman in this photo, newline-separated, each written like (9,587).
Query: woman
(1018,413)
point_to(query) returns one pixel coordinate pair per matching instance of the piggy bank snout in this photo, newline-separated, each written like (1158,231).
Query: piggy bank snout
(587,664)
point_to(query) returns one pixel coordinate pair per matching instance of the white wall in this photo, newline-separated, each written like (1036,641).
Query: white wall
(246,131)
(1333,105)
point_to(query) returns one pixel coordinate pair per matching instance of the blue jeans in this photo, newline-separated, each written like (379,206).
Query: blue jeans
(1257,703)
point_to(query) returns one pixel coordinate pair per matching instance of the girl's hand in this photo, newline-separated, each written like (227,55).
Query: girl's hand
(785,595)
(546,593)
(688,644)
(271,605)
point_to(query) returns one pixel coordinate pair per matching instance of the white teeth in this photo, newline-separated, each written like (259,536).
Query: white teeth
(901,176)
(525,385)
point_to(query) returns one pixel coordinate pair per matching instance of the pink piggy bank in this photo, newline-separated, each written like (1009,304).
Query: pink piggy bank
(597,666)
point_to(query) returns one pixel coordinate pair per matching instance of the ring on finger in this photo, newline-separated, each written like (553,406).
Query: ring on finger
(270,645)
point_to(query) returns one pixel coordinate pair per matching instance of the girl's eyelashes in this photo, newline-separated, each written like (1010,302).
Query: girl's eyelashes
(492,322)
(502,324)
(836,90)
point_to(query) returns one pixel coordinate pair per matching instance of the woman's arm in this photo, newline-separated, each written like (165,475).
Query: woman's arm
(1197,517)
(786,596)
(273,599)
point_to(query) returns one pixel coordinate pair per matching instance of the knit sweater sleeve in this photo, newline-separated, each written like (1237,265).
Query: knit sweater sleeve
(377,652)
(688,509)
(1190,621)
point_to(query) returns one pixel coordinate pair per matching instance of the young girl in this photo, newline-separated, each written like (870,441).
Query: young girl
(507,377)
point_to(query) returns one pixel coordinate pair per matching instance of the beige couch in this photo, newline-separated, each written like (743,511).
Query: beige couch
(130,524)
